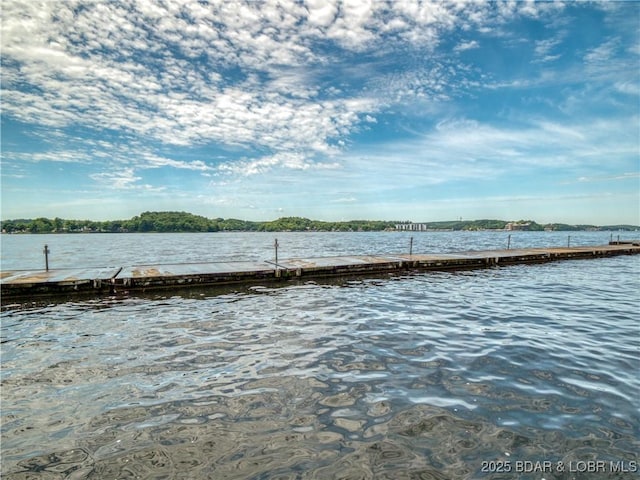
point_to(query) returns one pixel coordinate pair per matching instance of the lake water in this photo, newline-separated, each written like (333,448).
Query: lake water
(517,372)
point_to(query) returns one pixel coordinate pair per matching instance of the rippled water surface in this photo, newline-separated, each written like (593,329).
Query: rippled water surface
(435,375)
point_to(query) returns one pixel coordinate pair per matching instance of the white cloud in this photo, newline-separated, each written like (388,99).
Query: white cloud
(345,200)
(608,178)
(469,45)
(121,180)
(321,13)
(64,156)
(153,161)
(628,87)
(544,48)
(602,54)
(293,161)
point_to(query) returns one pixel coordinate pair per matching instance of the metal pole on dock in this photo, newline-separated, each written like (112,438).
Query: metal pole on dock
(411,246)
(275,244)
(568,241)
(46,257)
(509,242)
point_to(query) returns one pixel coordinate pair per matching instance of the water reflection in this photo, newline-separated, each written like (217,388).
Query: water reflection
(291,427)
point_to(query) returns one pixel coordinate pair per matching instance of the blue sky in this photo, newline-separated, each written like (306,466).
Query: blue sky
(398,110)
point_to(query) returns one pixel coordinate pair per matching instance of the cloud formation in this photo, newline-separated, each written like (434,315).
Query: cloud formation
(234,73)
(233,90)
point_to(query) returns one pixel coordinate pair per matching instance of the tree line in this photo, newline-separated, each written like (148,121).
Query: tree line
(184,222)
(188,222)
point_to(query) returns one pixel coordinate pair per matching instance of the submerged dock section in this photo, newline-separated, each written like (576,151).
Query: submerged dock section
(116,280)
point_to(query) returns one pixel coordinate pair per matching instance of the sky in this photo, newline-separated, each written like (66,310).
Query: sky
(398,110)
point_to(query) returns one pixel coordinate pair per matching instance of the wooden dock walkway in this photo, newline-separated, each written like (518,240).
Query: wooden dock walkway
(30,284)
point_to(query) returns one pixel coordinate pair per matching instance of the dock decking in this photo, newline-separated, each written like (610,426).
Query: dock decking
(29,284)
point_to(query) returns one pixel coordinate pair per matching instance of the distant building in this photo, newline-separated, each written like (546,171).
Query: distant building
(511,226)
(412,227)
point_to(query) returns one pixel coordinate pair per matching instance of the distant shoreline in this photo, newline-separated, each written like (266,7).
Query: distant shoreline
(183,222)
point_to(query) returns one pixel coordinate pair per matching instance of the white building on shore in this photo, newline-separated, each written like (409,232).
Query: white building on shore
(413,227)
(419,227)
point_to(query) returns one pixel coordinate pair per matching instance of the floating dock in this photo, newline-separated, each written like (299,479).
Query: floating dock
(30,284)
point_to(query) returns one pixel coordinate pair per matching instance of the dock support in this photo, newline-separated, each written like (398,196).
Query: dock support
(569,241)
(411,246)
(509,242)
(46,252)
(278,271)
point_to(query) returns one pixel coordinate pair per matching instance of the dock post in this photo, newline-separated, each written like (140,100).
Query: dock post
(275,245)
(509,242)
(568,241)
(411,246)
(46,257)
